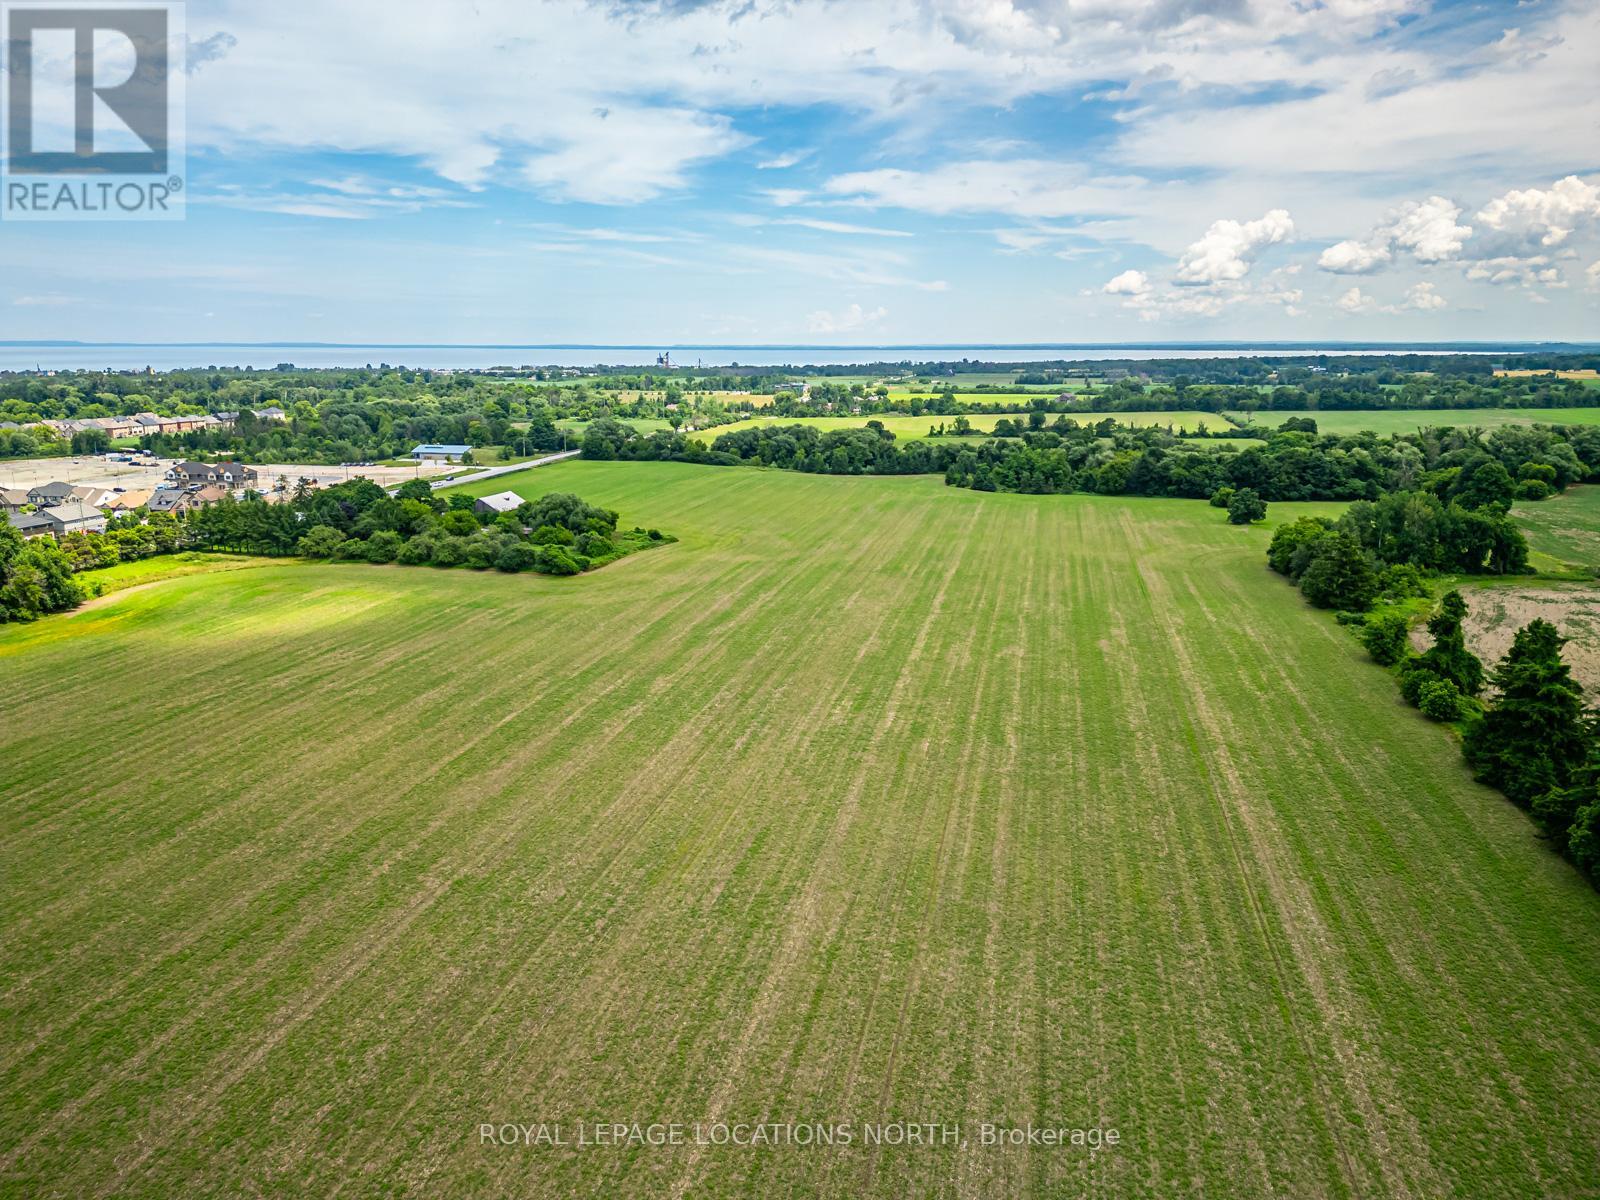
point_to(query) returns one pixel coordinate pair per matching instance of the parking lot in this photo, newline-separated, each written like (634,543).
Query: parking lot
(25,473)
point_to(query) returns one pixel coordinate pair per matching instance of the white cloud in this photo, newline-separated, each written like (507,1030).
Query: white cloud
(1526,272)
(841,227)
(1354,258)
(48,300)
(1020,187)
(1422,296)
(1129,283)
(1228,247)
(1549,214)
(1425,228)
(1355,301)
(779,162)
(1428,229)
(623,158)
(1593,273)
(846,321)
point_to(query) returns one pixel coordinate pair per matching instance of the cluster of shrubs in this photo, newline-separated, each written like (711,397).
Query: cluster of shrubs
(35,578)
(1244,505)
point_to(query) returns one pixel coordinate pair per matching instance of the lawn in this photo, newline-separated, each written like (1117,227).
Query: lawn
(869,800)
(1409,421)
(909,429)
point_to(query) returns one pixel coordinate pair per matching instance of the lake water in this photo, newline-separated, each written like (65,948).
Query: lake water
(22,356)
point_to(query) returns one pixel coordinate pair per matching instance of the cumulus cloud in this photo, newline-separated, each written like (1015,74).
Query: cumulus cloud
(1356,301)
(1355,258)
(1129,283)
(1548,214)
(1426,229)
(1228,247)
(1512,269)
(1422,296)
(845,321)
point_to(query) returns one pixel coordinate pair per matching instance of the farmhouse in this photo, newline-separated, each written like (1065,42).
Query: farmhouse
(432,453)
(74,517)
(13,499)
(500,502)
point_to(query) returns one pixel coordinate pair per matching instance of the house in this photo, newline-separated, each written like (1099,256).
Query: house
(501,502)
(206,494)
(232,474)
(13,499)
(228,474)
(46,494)
(87,494)
(271,413)
(29,525)
(169,500)
(431,453)
(76,517)
(126,502)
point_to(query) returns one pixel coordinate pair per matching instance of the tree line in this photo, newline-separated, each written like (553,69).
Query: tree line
(1524,727)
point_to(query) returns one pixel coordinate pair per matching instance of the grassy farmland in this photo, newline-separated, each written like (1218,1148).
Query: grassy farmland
(910,429)
(1411,420)
(1565,527)
(868,800)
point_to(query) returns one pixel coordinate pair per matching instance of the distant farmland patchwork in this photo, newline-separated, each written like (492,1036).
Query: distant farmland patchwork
(868,800)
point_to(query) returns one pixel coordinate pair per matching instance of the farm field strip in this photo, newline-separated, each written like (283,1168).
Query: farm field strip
(869,799)
(916,428)
(1411,420)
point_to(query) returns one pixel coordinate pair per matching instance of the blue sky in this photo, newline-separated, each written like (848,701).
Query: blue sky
(672,171)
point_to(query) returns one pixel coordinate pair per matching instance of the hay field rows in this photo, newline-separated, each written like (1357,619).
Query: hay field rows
(868,800)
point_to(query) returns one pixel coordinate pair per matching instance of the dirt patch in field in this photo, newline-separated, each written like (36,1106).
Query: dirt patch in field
(1495,614)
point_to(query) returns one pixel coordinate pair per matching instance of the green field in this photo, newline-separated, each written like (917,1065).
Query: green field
(1565,527)
(868,800)
(910,429)
(1409,421)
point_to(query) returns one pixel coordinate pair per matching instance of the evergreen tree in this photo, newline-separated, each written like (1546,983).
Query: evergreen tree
(1450,659)
(1532,740)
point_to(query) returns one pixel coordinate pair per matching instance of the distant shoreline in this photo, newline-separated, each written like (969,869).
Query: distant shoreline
(25,356)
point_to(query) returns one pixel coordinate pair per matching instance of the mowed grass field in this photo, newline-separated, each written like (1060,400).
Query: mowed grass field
(911,429)
(1565,527)
(1409,421)
(868,800)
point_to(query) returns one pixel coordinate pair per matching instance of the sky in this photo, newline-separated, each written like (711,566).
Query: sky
(857,172)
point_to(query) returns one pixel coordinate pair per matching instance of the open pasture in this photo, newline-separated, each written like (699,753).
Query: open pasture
(869,800)
(1411,420)
(1565,527)
(910,429)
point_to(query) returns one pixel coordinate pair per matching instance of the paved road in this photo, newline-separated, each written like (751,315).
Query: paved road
(507,469)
